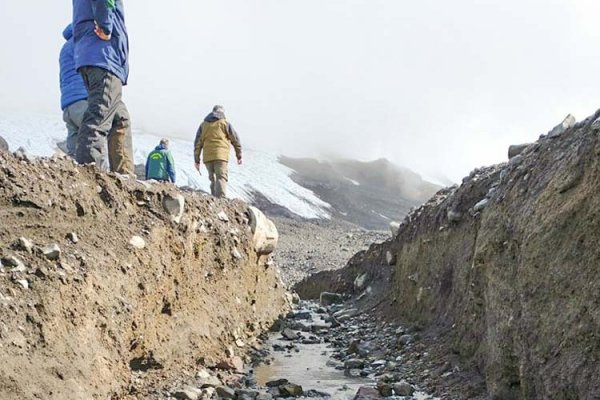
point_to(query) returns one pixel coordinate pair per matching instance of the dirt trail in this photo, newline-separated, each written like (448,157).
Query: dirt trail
(110,317)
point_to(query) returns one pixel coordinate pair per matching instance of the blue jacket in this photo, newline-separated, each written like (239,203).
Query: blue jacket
(90,50)
(72,88)
(160,165)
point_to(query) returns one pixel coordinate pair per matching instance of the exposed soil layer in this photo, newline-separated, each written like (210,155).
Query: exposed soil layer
(109,314)
(503,270)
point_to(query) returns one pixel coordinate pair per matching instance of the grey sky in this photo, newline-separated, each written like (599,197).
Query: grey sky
(437,86)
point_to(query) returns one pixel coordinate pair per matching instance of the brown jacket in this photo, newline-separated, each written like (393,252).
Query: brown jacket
(214,137)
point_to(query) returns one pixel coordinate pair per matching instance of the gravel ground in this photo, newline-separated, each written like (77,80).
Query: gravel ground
(307,247)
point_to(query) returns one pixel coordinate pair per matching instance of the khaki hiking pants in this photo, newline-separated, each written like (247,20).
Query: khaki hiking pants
(218,174)
(106,119)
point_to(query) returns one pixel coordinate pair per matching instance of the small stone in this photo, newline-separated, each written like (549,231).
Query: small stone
(225,392)
(246,394)
(232,364)
(291,390)
(394,228)
(406,339)
(51,252)
(188,393)
(390,258)
(239,343)
(481,205)
(3,144)
(12,261)
(367,393)
(72,236)
(289,334)
(277,383)
(264,396)
(327,299)
(23,282)
(25,244)
(385,389)
(174,206)
(516,149)
(354,363)
(137,242)
(561,128)
(403,388)
(223,217)
(236,253)
(360,280)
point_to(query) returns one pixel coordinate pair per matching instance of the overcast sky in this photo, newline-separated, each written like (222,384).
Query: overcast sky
(438,86)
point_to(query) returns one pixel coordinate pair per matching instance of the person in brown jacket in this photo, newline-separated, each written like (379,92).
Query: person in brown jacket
(213,141)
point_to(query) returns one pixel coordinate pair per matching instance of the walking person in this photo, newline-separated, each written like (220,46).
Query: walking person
(160,165)
(73,94)
(101,57)
(212,145)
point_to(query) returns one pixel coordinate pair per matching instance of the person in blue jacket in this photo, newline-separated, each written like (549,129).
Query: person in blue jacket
(160,165)
(101,57)
(73,94)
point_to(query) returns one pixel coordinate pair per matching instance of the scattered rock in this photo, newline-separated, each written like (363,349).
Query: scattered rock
(394,228)
(3,144)
(23,282)
(72,236)
(354,363)
(390,258)
(517,149)
(367,393)
(51,252)
(236,253)
(225,392)
(481,205)
(561,128)
(327,299)
(385,389)
(291,390)
(222,216)
(359,282)
(403,388)
(406,339)
(174,206)
(232,364)
(277,383)
(137,242)
(265,234)
(246,394)
(188,393)
(16,263)
(25,244)
(289,334)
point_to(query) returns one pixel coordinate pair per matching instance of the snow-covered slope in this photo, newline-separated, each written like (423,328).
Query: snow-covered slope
(261,172)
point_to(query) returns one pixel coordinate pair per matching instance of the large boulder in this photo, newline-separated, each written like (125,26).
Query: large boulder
(265,233)
(3,144)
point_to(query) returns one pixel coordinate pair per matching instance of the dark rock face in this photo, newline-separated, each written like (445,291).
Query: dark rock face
(369,194)
(3,144)
(514,284)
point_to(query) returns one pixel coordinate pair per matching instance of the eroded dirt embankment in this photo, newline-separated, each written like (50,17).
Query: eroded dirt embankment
(79,325)
(505,270)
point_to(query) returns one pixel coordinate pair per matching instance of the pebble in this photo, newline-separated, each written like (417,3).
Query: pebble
(51,252)
(25,244)
(137,242)
(222,216)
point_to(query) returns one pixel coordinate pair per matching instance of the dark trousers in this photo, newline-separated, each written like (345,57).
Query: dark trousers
(106,118)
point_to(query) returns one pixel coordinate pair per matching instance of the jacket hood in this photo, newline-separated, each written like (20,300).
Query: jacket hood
(160,147)
(214,116)
(68,32)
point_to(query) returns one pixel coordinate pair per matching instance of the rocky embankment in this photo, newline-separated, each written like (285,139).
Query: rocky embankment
(501,273)
(111,288)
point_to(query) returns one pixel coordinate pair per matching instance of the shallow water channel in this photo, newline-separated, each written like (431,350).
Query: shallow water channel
(308,368)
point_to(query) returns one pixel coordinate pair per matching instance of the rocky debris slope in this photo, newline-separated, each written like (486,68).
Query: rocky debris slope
(308,247)
(503,269)
(114,288)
